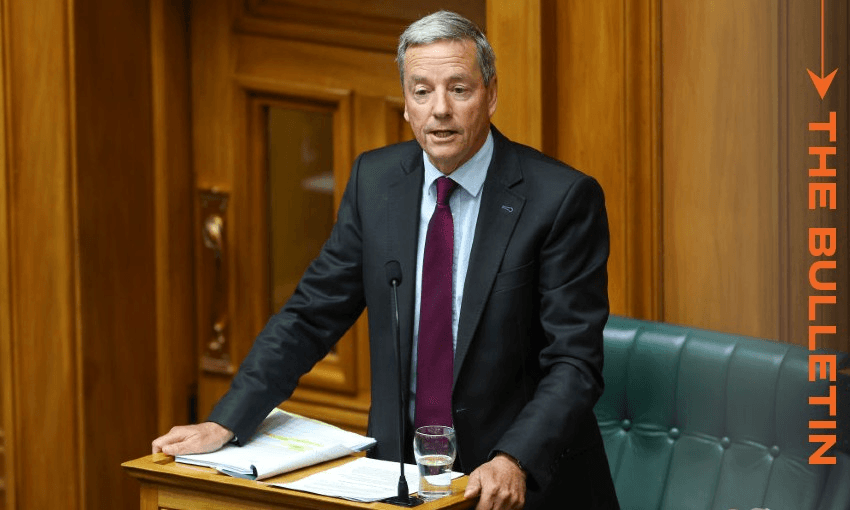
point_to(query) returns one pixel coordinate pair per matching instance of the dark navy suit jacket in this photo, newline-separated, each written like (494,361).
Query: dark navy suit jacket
(528,361)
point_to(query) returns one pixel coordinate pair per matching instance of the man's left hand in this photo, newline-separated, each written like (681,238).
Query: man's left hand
(500,484)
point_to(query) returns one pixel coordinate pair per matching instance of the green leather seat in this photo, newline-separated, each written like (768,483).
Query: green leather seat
(696,419)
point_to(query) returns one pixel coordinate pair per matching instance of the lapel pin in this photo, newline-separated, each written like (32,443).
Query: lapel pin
(508,208)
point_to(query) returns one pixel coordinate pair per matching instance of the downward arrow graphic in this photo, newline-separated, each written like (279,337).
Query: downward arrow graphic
(822,82)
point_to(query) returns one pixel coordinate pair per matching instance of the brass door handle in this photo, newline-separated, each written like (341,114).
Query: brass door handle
(213,231)
(213,284)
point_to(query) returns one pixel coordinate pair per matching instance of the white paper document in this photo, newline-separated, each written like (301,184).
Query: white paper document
(363,480)
(284,442)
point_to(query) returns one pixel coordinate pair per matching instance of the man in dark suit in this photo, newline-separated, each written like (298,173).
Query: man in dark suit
(503,253)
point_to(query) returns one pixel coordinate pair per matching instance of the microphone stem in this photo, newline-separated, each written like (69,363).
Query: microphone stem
(402,480)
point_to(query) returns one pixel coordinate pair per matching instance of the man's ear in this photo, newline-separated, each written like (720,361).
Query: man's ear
(405,112)
(492,93)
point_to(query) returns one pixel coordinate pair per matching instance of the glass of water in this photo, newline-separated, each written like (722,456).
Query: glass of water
(435,449)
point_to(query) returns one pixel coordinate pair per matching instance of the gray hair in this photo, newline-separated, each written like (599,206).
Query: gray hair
(447,25)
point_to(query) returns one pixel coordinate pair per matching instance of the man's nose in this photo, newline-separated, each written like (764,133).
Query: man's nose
(442,105)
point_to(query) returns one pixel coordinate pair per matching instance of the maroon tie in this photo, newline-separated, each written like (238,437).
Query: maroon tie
(435,351)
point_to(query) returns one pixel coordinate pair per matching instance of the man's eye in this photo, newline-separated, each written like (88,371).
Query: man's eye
(459,90)
(419,92)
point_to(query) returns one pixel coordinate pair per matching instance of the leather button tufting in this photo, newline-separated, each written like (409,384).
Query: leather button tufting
(674,433)
(725,442)
(627,424)
(774,451)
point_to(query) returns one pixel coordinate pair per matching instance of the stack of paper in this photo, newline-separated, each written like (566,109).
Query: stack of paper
(362,480)
(284,442)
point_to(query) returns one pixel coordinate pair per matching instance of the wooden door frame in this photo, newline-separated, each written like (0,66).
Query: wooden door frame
(239,64)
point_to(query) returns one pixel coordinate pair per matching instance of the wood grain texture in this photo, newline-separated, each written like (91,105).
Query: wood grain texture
(236,76)
(591,120)
(514,32)
(173,213)
(303,63)
(116,243)
(79,238)
(212,148)
(605,59)
(720,225)
(800,104)
(42,348)
(148,497)
(366,24)
(642,146)
(180,487)
(7,480)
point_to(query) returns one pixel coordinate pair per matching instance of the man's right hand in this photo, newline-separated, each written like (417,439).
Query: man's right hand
(185,439)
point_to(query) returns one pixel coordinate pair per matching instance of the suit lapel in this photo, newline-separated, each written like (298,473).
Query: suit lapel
(403,237)
(500,209)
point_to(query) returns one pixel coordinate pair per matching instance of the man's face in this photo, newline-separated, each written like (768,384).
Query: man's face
(446,102)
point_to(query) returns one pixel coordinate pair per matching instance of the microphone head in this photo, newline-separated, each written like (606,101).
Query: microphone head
(393,269)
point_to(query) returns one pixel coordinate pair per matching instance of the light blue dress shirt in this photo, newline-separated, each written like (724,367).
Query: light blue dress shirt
(464,203)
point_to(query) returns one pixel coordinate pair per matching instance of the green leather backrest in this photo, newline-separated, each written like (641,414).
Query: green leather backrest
(695,419)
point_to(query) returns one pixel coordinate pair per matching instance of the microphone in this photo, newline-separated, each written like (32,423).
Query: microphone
(393,270)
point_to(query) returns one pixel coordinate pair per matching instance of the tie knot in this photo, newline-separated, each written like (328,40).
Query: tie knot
(445,187)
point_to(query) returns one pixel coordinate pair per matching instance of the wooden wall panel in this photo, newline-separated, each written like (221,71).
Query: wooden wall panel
(116,256)
(213,167)
(642,147)
(174,221)
(7,482)
(799,104)
(720,226)
(41,350)
(591,113)
(596,107)
(519,47)
(366,24)
(707,194)
(78,343)
(293,61)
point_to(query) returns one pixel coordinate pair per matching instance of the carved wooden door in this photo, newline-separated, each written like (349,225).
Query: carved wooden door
(283,98)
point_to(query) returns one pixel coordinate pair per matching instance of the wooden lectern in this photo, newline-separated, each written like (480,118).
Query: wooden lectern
(166,484)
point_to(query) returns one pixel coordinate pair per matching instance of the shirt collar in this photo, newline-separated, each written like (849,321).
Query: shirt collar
(470,175)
